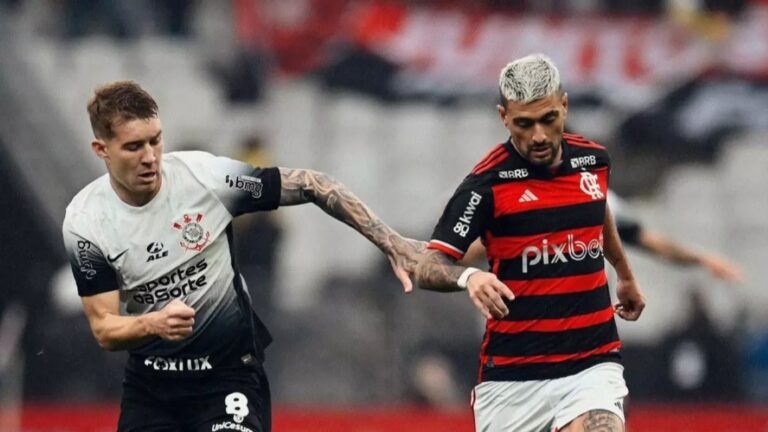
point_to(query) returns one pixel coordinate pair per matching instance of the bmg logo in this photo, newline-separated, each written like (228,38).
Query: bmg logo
(246,183)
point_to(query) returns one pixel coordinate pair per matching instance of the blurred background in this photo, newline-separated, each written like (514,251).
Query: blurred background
(396,99)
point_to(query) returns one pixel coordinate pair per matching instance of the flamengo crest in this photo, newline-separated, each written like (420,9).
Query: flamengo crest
(193,235)
(590,186)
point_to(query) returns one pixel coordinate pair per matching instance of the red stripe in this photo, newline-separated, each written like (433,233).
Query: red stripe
(553,325)
(445,249)
(557,192)
(483,348)
(491,154)
(580,141)
(556,358)
(564,285)
(568,241)
(492,163)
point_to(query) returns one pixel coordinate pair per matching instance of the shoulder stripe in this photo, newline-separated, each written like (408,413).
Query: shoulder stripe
(499,149)
(580,141)
(492,163)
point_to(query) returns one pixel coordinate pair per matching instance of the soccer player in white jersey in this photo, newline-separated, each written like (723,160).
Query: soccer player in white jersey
(150,244)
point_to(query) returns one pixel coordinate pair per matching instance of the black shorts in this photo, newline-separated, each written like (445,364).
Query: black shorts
(232,401)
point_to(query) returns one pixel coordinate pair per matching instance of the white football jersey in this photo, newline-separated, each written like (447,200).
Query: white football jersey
(179,245)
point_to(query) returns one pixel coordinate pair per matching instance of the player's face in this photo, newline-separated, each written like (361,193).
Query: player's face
(133,159)
(537,127)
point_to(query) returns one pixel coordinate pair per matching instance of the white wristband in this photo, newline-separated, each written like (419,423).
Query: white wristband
(462,282)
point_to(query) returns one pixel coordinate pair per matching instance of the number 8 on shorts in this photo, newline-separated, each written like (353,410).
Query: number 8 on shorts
(237,405)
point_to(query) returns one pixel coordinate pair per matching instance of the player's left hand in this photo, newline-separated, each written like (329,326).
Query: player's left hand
(631,300)
(404,257)
(722,269)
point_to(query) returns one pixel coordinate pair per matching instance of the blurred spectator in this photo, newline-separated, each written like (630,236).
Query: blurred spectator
(701,362)
(174,16)
(122,20)
(257,239)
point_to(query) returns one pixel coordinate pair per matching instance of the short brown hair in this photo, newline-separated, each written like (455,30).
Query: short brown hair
(117,102)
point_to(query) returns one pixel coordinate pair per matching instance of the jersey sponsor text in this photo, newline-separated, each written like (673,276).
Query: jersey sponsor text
(576,250)
(514,174)
(178,364)
(246,183)
(177,283)
(462,226)
(583,161)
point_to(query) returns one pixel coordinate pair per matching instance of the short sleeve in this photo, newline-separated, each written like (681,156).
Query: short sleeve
(90,267)
(464,219)
(241,187)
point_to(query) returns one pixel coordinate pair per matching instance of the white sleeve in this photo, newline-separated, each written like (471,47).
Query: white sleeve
(241,187)
(90,267)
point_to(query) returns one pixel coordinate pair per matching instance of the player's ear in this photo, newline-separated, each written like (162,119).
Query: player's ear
(502,113)
(99,147)
(564,101)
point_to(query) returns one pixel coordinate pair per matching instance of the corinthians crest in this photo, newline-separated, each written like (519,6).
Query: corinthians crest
(193,235)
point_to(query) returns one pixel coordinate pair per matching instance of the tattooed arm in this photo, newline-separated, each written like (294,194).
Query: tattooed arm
(300,186)
(439,272)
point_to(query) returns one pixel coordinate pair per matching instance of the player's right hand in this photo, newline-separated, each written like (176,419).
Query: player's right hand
(174,322)
(487,293)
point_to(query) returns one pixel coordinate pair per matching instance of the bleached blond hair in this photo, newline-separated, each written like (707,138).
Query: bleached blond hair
(529,78)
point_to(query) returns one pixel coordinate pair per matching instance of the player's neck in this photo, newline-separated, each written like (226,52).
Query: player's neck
(555,163)
(133,198)
(558,160)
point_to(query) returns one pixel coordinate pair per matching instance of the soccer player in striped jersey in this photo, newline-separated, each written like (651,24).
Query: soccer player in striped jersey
(550,357)
(150,244)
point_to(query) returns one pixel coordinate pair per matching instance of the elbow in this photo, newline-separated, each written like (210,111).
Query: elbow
(106,343)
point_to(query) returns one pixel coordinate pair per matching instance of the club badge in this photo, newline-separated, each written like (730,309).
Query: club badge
(193,236)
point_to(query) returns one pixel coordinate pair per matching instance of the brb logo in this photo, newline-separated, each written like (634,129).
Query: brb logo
(571,250)
(462,226)
(583,161)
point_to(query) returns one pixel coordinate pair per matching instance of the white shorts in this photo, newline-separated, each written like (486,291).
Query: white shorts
(548,405)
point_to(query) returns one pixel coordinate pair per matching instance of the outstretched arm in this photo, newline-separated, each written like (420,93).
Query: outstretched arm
(671,250)
(300,186)
(439,272)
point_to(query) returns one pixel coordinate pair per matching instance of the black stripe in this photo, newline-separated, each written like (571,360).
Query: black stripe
(558,305)
(548,343)
(512,269)
(541,371)
(260,334)
(549,220)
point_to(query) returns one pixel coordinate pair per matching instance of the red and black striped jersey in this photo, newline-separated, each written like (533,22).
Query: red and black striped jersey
(543,232)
